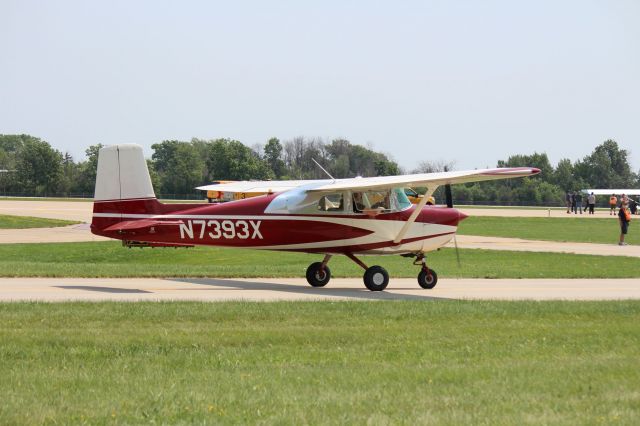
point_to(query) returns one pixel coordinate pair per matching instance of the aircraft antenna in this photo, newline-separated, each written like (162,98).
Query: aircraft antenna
(318,164)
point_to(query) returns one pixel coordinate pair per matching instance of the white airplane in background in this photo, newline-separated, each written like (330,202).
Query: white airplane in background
(612,191)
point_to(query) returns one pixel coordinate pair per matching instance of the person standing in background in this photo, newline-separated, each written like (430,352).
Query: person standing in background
(567,199)
(574,208)
(624,218)
(578,202)
(591,201)
(613,202)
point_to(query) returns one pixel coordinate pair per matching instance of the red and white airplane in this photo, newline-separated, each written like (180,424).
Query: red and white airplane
(327,217)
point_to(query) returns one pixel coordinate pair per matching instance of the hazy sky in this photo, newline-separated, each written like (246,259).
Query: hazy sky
(470,81)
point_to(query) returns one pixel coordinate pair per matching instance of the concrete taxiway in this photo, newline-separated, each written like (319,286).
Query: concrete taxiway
(63,234)
(517,244)
(262,289)
(65,210)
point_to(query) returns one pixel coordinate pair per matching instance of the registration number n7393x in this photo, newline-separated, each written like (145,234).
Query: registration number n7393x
(216,229)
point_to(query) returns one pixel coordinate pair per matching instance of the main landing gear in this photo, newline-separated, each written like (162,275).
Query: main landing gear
(375,278)
(318,273)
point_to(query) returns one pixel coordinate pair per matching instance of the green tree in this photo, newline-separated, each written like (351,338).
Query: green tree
(70,175)
(607,167)
(347,160)
(538,160)
(273,157)
(564,175)
(9,146)
(153,174)
(179,167)
(87,170)
(38,167)
(231,160)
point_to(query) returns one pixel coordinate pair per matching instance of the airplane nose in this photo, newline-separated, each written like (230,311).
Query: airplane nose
(442,216)
(456,216)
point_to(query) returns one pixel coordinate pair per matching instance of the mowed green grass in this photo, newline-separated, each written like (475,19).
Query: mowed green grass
(23,222)
(584,230)
(450,362)
(110,259)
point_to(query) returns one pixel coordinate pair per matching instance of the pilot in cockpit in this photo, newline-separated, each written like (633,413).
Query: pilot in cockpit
(358,202)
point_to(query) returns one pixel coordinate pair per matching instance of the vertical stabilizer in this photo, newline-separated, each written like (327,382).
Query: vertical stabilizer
(122,174)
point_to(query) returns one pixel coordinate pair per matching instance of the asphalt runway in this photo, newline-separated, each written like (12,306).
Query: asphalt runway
(281,289)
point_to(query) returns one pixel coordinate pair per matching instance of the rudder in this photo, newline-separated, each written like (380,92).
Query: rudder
(122,174)
(123,187)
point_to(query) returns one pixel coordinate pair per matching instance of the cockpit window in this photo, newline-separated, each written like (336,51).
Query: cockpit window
(410,192)
(371,200)
(303,202)
(331,203)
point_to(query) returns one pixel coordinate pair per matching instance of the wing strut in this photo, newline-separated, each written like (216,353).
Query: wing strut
(416,212)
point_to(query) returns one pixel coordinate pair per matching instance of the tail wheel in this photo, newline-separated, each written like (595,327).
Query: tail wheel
(427,278)
(318,276)
(376,278)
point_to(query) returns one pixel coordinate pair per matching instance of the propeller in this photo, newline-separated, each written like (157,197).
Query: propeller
(447,195)
(449,198)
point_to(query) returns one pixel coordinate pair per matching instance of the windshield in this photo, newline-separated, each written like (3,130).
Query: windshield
(401,198)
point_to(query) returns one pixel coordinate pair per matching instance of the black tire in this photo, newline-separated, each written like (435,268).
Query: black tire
(428,280)
(376,278)
(316,276)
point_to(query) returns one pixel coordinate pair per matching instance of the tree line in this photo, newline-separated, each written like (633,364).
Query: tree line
(606,167)
(34,168)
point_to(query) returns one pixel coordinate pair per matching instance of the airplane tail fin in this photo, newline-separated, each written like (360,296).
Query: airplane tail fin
(122,174)
(123,186)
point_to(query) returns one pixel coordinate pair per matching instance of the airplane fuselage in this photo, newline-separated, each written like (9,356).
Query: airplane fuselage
(244,224)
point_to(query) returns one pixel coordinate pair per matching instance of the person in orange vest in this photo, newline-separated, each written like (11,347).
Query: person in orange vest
(613,201)
(624,217)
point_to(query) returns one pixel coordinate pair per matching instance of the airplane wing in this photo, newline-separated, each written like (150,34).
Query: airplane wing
(266,186)
(612,191)
(431,180)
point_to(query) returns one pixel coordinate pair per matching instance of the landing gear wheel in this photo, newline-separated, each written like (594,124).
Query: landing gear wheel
(427,279)
(317,276)
(376,278)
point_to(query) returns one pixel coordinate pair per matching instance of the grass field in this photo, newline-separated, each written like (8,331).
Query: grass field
(23,222)
(450,362)
(110,259)
(587,230)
